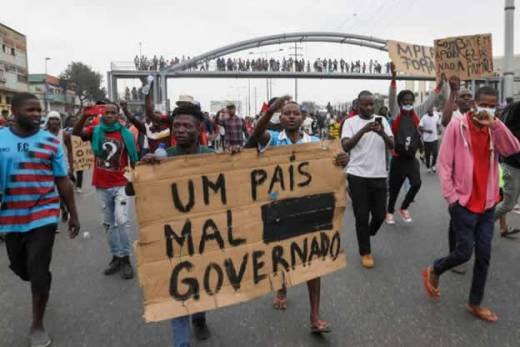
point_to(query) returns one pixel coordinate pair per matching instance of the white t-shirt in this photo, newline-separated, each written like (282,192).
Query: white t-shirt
(432,124)
(368,157)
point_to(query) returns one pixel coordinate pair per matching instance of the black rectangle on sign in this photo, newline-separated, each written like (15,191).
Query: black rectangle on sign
(292,217)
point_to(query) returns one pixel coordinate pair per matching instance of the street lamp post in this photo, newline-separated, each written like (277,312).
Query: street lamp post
(508,72)
(46,87)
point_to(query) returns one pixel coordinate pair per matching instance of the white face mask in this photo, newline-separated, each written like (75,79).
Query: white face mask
(407,107)
(275,119)
(488,110)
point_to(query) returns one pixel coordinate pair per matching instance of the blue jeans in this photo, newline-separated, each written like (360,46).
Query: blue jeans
(114,209)
(470,231)
(181,329)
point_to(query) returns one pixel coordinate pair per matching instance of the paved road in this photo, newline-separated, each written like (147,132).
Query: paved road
(380,307)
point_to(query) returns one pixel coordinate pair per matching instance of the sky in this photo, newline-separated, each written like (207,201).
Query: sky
(98,32)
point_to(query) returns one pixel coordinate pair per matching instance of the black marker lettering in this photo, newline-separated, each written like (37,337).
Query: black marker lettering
(232,241)
(335,245)
(315,249)
(258,177)
(277,255)
(177,201)
(302,253)
(304,173)
(193,285)
(325,244)
(170,235)
(257,266)
(215,187)
(215,235)
(277,178)
(220,278)
(235,278)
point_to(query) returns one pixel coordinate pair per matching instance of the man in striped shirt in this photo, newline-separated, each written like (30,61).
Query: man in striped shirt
(33,177)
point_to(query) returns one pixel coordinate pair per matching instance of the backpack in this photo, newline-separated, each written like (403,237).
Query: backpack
(407,139)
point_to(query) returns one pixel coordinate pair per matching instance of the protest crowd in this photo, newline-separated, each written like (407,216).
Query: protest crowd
(469,142)
(261,64)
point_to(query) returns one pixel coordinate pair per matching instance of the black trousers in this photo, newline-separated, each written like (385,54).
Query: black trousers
(30,255)
(472,231)
(401,169)
(430,153)
(369,202)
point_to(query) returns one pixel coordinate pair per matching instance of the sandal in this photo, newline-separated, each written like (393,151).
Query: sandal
(431,291)
(508,232)
(280,302)
(321,327)
(482,313)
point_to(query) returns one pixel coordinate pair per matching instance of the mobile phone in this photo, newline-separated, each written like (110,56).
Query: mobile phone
(379,120)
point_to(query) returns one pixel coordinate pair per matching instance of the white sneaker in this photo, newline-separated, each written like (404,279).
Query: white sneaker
(79,190)
(405,215)
(434,169)
(429,171)
(389,219)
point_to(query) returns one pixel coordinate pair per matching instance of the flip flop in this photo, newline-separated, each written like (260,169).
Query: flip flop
(280,303)
(431,291)
(482,313)
(321,328)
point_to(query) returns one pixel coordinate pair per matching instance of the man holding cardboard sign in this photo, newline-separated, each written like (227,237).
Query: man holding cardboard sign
(205,242)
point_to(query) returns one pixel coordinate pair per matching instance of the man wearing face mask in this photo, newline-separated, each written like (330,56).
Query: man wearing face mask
(404,164)
(367,138)
(468,173)
(459,103)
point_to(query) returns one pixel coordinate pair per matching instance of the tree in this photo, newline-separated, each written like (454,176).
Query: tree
(87,82)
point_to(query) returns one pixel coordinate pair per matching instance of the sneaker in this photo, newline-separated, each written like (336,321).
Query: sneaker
(200,329)
(405,215)
(113,267)
(389,219)
(127,272)
(79,190)
(429,170)
(39,338)
(434,169)
(367,261)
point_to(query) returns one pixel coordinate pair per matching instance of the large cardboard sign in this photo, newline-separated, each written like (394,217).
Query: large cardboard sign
(412,60)
(465,57)
(82,156)
(220,229)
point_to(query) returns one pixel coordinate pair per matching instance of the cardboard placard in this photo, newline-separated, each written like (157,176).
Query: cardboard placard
(82,156)
(465,57)
(412,60)
(220,229)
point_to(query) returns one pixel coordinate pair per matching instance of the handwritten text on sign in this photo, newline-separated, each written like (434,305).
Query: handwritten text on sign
(82,156)
(465,57)
(412,60)
(216,230)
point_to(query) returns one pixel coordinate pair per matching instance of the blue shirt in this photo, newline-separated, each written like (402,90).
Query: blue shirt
(281,139)
(28,167)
